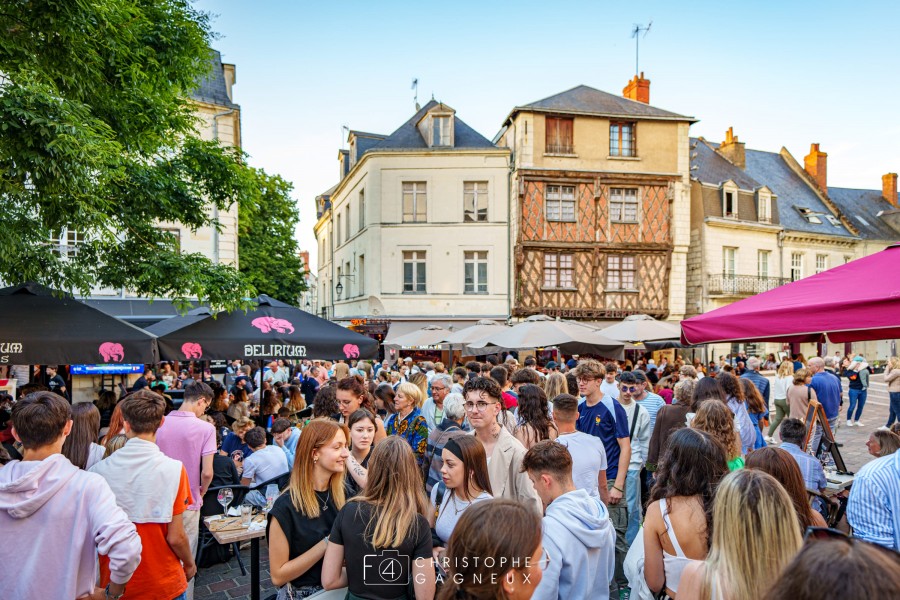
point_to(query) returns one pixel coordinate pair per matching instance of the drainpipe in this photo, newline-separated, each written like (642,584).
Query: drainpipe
(215,212)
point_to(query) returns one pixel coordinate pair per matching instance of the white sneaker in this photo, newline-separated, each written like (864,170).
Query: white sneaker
(859,423)
(849,423)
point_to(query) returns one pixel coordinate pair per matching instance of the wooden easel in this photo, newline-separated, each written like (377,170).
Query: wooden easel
(815,414)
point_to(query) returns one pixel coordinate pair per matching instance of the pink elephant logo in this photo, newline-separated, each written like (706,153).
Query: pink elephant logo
(192,350)
(112,352)
(351,350)
(267,324)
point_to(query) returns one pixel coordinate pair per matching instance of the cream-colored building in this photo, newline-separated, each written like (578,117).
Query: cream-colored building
(601,205)
(219,119)
(761,219)
(415,232)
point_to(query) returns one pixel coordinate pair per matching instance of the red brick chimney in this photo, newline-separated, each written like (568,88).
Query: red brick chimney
(816,164)
(889,188)
(304,258)
(638,89)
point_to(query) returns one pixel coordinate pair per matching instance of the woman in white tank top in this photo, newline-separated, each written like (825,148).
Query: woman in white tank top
(677,525)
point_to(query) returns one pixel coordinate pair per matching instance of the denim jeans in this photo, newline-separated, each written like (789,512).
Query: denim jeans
(181,597)
(894,414)
(857,401)
(633,500)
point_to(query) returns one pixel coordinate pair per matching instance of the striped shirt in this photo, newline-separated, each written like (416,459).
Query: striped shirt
(652,403)
(810,467)
(874,506)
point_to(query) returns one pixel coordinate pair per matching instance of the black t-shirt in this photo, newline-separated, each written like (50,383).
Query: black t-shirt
(303,533)
(382,574)
(56,383)
(352,488)
(224,471)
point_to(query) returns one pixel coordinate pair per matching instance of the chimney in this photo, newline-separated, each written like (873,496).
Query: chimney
(816,164)
(889,188)
(304,258)
(733,150)
(638,89)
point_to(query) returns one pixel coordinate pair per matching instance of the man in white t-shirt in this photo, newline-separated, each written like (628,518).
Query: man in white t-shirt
(610,387)
(587,451)
(266,462)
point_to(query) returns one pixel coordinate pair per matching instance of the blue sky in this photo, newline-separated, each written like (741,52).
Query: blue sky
(781,73)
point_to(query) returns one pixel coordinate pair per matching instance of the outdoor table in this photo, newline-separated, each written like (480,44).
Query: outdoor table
(837,483)
(230,530)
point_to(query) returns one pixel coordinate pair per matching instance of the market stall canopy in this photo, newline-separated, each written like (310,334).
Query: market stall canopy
(474,334)
(271,330)
(856,301)
(642,328)
(426,337)
(541,331)
(39,325)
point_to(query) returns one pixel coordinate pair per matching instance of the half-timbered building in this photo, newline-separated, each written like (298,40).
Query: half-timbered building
(601,205)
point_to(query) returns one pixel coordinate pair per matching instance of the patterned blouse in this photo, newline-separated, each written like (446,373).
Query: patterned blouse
(414,429)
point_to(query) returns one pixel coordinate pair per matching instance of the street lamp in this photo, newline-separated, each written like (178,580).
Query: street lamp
(339,289)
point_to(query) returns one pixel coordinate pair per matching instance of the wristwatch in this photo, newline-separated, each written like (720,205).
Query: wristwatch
(114,596)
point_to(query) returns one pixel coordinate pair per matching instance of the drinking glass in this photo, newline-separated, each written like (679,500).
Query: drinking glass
(271,494)
(246,514)
(224,497)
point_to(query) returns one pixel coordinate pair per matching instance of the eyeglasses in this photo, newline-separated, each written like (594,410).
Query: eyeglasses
(630,388)
(824,533)
(480,406)
(544,562)
(584,379)
(438,389)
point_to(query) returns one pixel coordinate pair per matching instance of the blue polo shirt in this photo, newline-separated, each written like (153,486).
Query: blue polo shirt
(599,421)
(828,391)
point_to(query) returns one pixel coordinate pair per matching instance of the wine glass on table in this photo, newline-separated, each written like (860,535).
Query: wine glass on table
(271,495)
(225,497)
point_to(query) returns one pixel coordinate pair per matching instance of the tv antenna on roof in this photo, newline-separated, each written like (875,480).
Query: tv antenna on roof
(415,87)
(635,33)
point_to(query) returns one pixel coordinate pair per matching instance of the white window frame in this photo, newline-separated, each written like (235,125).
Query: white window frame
(762,263)
(418,190)
(729,261)
(362,209)
(418,260)
(796,266)
(821,263)
(562,265)
(474,259)
(347,222)
(441,131)
(558,206)
(726,190)
(361,274)
(621,202)
(617,266)
(337,230)
(473,193)
(764,209)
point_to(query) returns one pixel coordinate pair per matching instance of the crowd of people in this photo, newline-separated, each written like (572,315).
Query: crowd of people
(493,479)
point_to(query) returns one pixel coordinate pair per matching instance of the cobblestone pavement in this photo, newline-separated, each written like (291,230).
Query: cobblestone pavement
(224,581)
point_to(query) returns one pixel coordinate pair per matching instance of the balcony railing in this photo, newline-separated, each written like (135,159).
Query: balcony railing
(742,285)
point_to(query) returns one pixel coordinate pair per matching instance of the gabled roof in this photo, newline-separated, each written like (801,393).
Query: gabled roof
(793,192)
(862,207)
(407,136)
(211,88)
(585,100)
(715,169)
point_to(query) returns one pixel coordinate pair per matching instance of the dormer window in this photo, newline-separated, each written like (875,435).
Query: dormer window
(833,220)
(729,201)
(764,207)
(440,131)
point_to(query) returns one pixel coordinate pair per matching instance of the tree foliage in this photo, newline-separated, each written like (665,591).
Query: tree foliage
(97,135)
(269,252)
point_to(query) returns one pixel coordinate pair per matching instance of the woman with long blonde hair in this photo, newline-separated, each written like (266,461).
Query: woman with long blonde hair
(301,519)
(388,519)
(554,385)
(784,378)
(716,419)
(755,535)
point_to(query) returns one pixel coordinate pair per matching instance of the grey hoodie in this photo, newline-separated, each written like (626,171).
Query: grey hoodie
(580,541)
(54,519)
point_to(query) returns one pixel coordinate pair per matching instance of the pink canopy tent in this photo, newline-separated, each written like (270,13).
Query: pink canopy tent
(853,302)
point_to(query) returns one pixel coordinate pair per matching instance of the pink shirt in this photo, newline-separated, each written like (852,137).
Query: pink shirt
(186,438)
